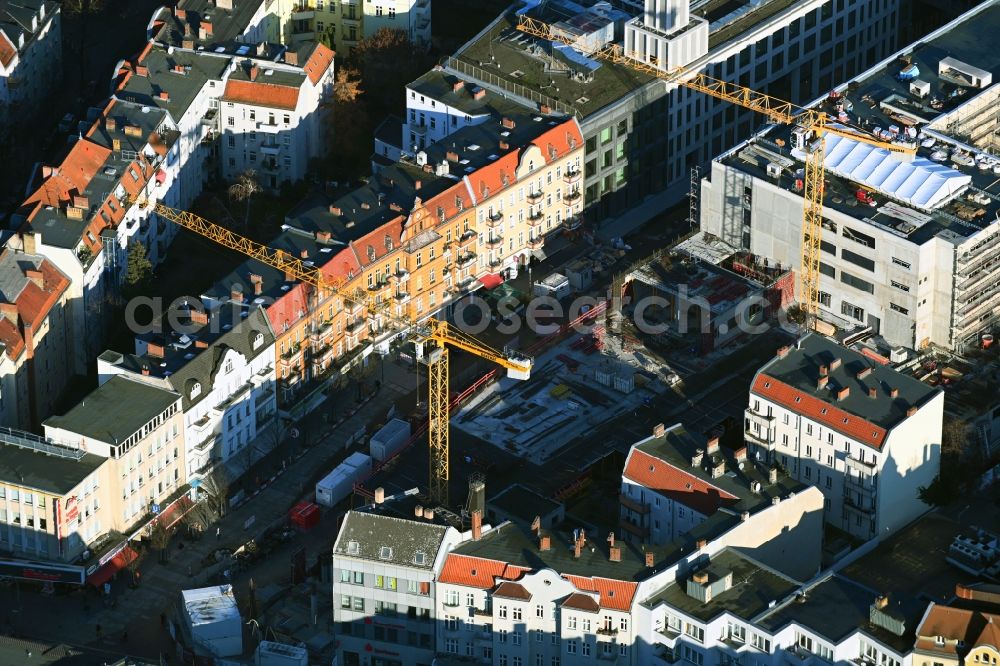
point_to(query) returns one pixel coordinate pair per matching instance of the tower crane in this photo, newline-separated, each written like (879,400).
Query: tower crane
(815,123)
(432,337)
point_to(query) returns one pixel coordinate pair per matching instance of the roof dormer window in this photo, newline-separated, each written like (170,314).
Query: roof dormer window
(353,548)
(385,553)
(419,558)
(195,390)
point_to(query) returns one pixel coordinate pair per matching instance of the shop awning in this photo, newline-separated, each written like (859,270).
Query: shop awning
(125,557)
(491,280)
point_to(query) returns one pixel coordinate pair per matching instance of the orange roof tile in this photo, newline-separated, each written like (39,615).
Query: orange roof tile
(615,594)
(489,180)
(990,634)
(564,137)
(318,62)
(512,591)
(477,571)
(82,163)
(10,336)
(819,410)
(448,202)
(33,305)
(582,602)
(656,474)
(376,240)
(261,94)
(7,49)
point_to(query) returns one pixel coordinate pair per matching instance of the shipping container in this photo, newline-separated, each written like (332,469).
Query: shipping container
(389,440)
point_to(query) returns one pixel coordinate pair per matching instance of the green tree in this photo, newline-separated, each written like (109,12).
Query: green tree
(138,270)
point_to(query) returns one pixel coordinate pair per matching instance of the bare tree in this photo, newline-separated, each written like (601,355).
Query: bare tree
(159,538)
(244,189)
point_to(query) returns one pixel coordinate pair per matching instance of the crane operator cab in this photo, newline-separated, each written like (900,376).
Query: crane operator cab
(518,366)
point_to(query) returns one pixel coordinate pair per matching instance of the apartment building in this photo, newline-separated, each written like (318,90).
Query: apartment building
(214,24)
(384,571)
(30,59)
(139,429)
(271,120)
(642,137)
(36,336)
(909,247)
(674,481)
(54,498)
(965,631)
(222,365)
(85,213)
(343,24)
(867,436)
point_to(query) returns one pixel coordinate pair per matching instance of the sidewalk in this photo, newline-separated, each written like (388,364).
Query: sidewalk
(137,611)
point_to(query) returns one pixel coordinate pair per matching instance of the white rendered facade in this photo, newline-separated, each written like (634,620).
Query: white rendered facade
(30,57)
(869,471)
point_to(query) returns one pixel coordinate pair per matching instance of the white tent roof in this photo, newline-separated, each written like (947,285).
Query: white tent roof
(920,182)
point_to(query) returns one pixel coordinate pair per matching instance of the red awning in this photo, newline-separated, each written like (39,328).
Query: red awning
(113,566)
(171,515)
(491,280)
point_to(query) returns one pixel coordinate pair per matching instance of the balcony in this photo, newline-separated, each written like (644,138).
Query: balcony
(207,443)
(466,260)
(765,438)
(303,13)
(862,504)
(535,197)
(632,505)
(293,352)
(210,119)
(536,243)
(638,530)
(355,326)
(401,297)
(270,166)
(607,633)
(466,237)
(494,241)
(571,197)
(483,612)
(494,220)
(572,176)
(496,263)
(572,223)
(663,655)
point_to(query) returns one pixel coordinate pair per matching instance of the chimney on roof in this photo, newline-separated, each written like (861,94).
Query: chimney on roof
(28,242)
(110,124)
(836,363)
(141,70)
(740,454)
(9,312)
(205,31)
(477,524)
(745,516)
(911,410)
(894,392)
(784,351)
(580,540)
(719,468)
(417,184)
(650,559)
(872,392)
(822,382)
(713,446)
(198,316)
(824,370)
(881,601)
(258,284)
(164,95)
(429,513)
(180,13)
(864,372)
(457,85)
(36,277)
(843,393)
(504,145)
(544,109)
(697,458)
(254,72)
(74,213)
(145,371)
(379,495)
(81,201)
(428,168)
(395,207)
(659,430)
(187,43)
(304,253)
(536,525)
(365,205)
(201,344)
(291,58)
(236,294)
(772,476)
(451,156)
(507,123)
(224,4)
(544,543)
(154,350)
(418,511)
(323,236)
(700,543)
(334,210)
(479,93)
(614,552)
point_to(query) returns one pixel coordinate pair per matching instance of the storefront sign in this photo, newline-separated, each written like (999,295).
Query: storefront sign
(42,571)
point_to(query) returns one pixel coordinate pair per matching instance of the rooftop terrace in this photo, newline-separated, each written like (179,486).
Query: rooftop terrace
(29,461)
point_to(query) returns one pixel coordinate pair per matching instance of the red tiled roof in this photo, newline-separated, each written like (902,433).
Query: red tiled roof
(82,163)
(615,594)
(261,94)
(477,572)
(814,408)
(33,305)
(7,49)
(512,591)
(286,308)
(318,62)
(11,338)
(560,137)
(376,240)
(579,601)
(491,177)
(990,634)
(448,201)
(656,474)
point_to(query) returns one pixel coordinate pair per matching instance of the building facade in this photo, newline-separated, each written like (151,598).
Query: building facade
(384,588)
(36,334)
(139,429)
(343,24)
(30,59)
(866,436)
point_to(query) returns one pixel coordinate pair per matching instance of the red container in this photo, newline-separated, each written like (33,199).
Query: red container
(304,515)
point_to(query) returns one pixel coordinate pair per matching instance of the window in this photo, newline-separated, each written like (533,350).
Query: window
(858,260)
(858,237)
(899,308)
(359,576)
(585,648)
(539,611)
(737,633)
(761,643)
(571,647)
(501,612)
(900,262)
(899,285)
(359,604)
(517,613)
(857,283)
(571,622)
(451,598)
(852,311)
(694,631)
